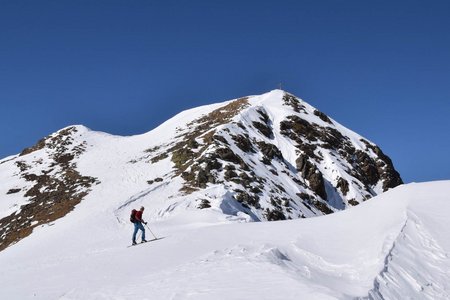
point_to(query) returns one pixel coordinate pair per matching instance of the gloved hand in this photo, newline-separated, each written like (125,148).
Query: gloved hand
(145,223)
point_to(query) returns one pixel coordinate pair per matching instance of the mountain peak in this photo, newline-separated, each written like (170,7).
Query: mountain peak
(260,147)
(257,158)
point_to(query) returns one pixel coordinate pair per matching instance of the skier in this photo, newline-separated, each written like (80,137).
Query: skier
(138,224)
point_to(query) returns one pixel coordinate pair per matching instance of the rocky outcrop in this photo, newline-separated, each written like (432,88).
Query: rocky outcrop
(313,176)
(56,188)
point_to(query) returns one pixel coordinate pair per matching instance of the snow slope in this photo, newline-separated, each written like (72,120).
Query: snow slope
(393,246)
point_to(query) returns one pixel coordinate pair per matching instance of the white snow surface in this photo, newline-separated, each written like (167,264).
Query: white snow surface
(394,246)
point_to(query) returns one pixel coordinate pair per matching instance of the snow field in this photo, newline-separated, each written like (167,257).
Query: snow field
(394,244)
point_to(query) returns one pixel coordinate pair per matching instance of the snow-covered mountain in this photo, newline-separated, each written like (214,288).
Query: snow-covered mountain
(204,177)
(267,157)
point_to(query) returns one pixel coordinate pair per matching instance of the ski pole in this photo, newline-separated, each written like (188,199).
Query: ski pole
(151,231)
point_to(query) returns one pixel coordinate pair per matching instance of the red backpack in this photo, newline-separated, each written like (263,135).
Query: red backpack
(133,216)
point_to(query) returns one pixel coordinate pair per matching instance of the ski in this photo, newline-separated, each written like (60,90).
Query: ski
(144,242)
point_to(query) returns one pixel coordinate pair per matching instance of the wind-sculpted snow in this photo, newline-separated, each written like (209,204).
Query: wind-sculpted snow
(394,246)
(418,265)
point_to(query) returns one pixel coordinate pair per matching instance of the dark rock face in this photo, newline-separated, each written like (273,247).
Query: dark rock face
(243,142)
(13,191)
(391,178)
(323,116)
(303,131)
(369,166)
(310,172)
(293,101)
(342,184)
(270,151)
(247,199)
(295,127)
(227,154)
(274,215)
(264,129)
(40,145)
(369,170)
(323,207)
(366,167)
(204,204)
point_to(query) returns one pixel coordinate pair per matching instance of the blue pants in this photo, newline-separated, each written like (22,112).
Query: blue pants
(137,226)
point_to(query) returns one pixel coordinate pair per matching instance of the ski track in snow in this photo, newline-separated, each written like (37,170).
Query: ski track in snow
(137,197)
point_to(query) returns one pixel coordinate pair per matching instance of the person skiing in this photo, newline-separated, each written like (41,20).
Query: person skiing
(138,225)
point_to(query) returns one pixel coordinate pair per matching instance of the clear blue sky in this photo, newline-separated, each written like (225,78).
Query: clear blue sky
(381,68)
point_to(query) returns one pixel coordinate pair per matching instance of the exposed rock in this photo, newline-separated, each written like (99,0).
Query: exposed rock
(202,179)
(13,191)
(159,157)
(247,199)
(292,101)
(295,127)
(307,199)
(274,215)
(192,143)
(264,129)
(22,166)
(204,203)
(50,197)
(391,178)
(274,172)
(322,116)
(333,139)
(342,184)
(40,145)
(310,172)
(323,207)
(211,162)
(227,154)
(221,139)
(270,151)
(264,117)
(243,142)
(353,202)
(240,125)
(181,157)
(245,179)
